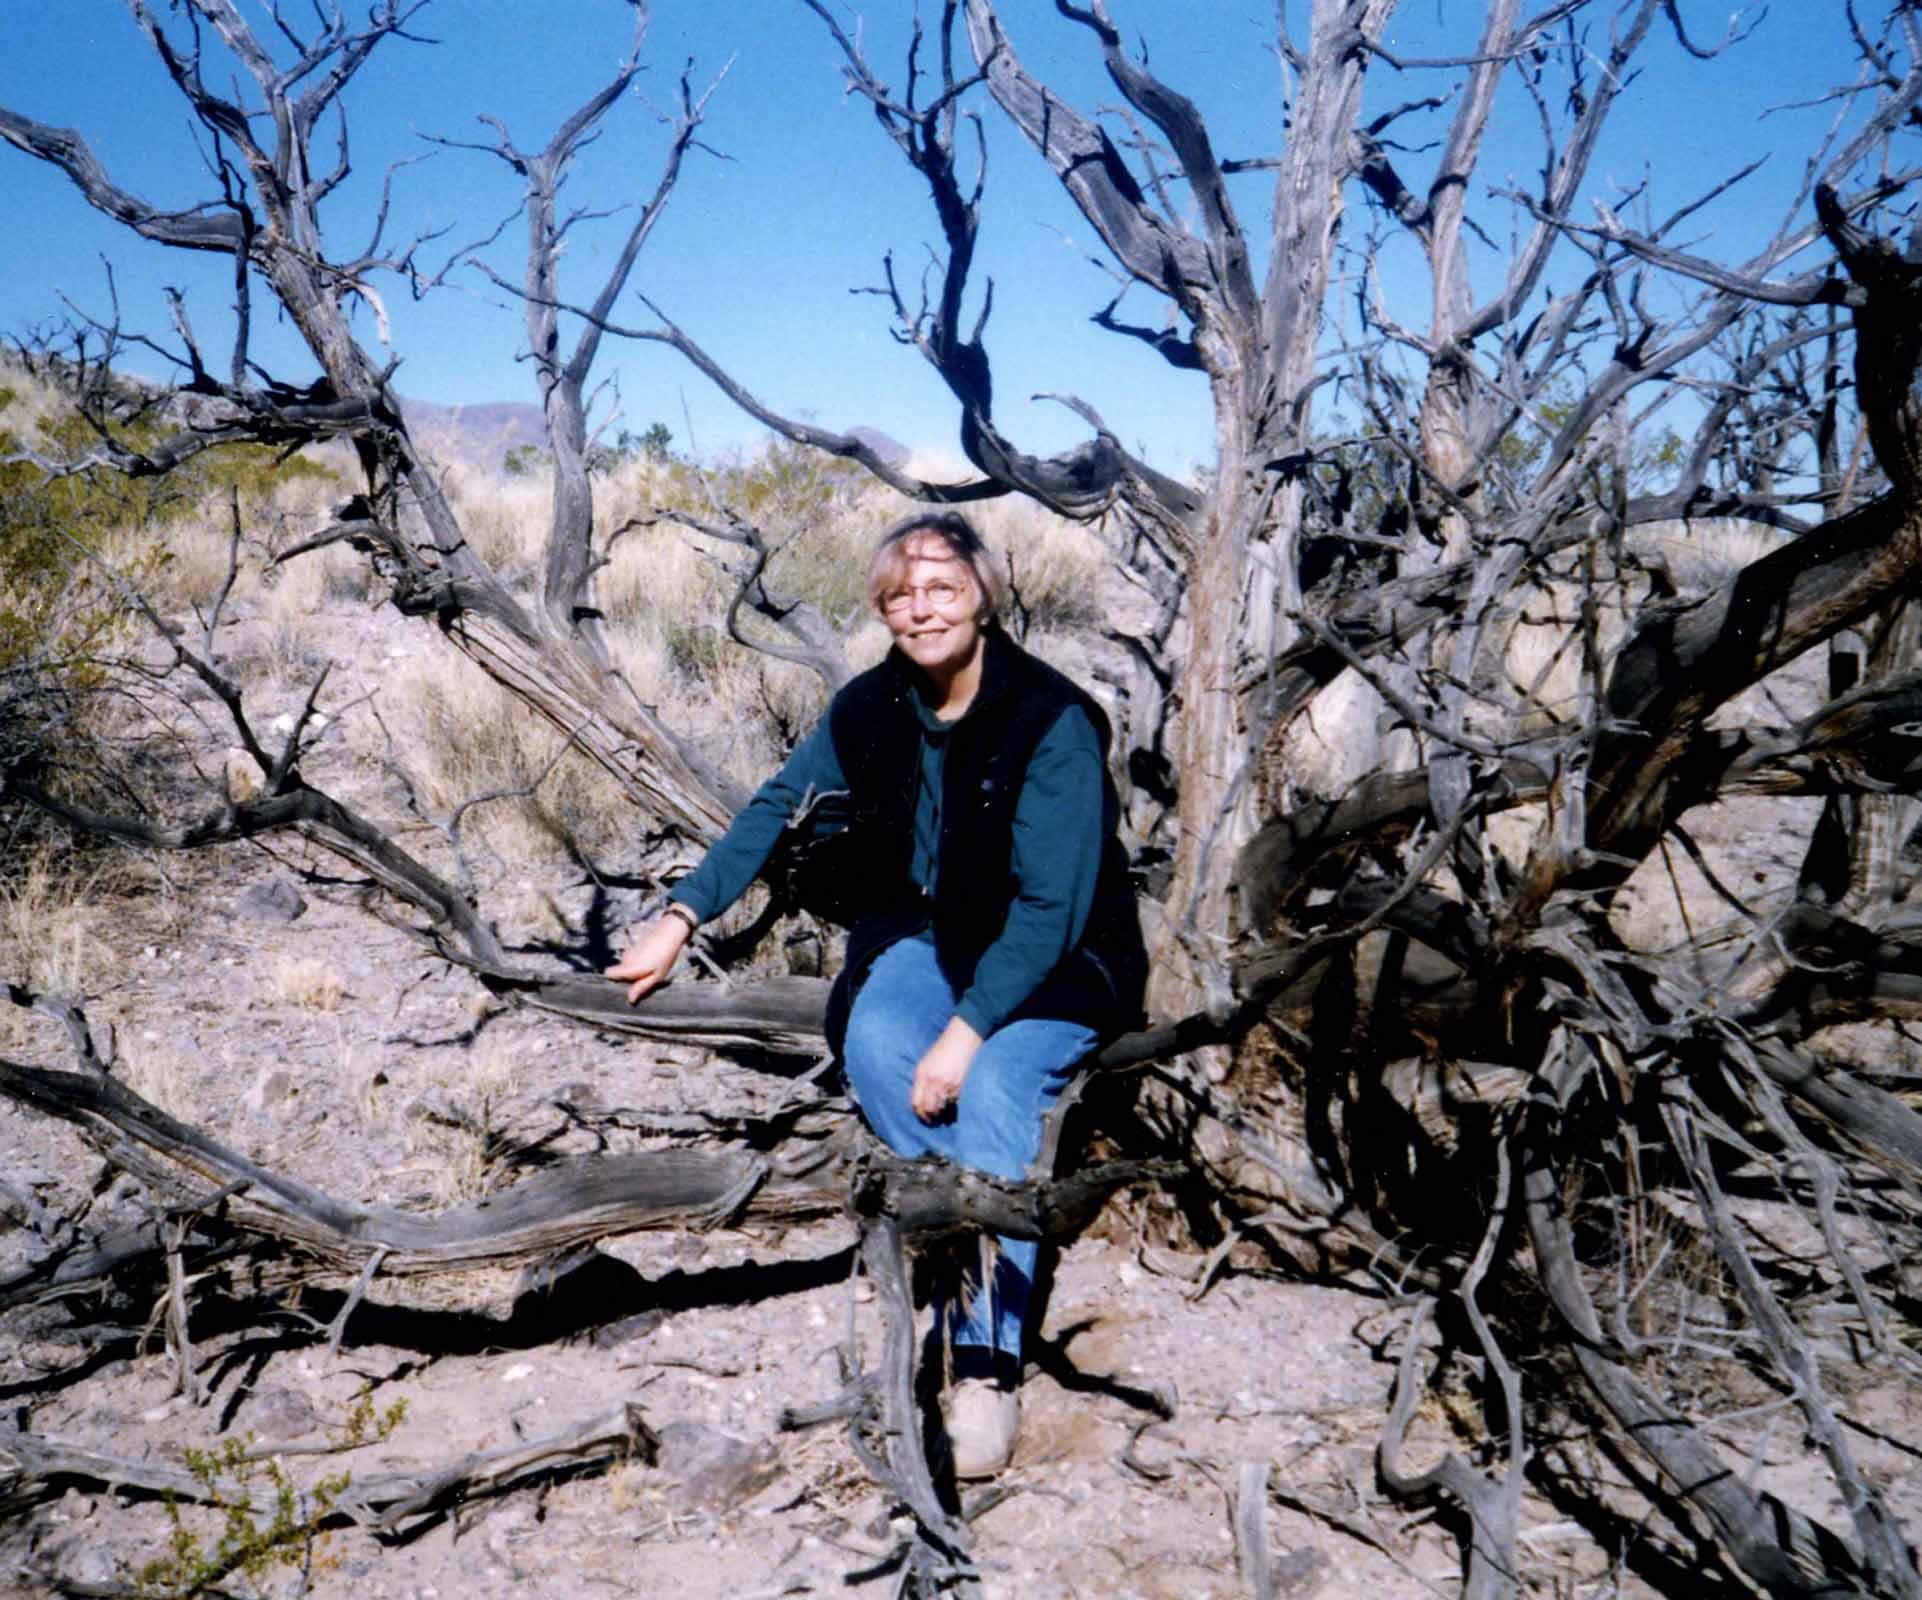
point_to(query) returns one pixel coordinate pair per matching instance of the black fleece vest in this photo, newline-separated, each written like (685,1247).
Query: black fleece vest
(877,732)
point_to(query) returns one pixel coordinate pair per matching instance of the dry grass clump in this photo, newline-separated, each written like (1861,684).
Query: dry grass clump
(457,735)
(305,981)
(193,566)
(454,1130)
(504,518)
(196,551)
(52,916)
(665,594)
(184,557)
(159,1070)
(287,605)
(662,573)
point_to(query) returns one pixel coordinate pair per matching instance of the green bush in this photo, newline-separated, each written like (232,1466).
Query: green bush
(54,601)
(65,613)
(265,1519)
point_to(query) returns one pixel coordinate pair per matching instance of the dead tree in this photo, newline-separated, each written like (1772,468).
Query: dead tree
(1435,970)
(272,179)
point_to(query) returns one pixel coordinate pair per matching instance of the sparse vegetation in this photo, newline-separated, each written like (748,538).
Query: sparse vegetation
(266,1521)
(1646,1171)
(266,1518)
(52,913)
(308,982)
(86,701)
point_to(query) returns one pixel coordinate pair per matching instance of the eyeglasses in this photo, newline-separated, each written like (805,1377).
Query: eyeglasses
(940,594)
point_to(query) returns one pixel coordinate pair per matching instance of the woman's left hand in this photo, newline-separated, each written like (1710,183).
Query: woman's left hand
(938,1078)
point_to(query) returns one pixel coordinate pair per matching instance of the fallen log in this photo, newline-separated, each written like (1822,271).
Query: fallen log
(33,1467)
(76,1270)
(572,1204)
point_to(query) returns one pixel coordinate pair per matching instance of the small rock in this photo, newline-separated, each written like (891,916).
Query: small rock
(1299,1573)
(708,1470)
(579,1096)
(86,1565)
(626,1330)
(278,901)
(282,1414)
(804,955)
(274,1087)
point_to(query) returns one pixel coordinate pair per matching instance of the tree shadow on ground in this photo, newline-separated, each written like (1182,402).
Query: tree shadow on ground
(594,1297)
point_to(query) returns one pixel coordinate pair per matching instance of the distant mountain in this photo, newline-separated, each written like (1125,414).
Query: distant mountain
(487,432)
(890,450)
(480,432)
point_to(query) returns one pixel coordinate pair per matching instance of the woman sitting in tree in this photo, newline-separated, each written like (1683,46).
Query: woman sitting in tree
(996,940)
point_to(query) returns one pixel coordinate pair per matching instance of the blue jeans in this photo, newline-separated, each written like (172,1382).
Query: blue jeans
(996,1125)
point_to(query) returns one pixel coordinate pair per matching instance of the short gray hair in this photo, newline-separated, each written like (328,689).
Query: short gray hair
(889,563)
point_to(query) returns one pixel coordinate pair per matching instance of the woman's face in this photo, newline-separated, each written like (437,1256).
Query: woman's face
(934,608)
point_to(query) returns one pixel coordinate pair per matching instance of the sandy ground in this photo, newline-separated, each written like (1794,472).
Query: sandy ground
(710,1335)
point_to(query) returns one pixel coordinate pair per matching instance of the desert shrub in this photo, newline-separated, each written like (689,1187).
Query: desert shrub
(167,534)
(457,735)
(255,1517)
(525,460)
(50,600)
(78,540)
(61,615)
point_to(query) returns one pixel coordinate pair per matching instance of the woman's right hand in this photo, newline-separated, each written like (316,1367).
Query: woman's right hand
(646,962)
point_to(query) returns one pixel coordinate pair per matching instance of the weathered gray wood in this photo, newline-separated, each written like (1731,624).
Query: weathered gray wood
(34,1466)
(1781,1551)
(570,1204)
(902,1461)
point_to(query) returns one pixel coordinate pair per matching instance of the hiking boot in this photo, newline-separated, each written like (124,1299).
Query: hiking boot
(982,1420)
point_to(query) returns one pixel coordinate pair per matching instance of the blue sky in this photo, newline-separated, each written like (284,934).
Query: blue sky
(760,251)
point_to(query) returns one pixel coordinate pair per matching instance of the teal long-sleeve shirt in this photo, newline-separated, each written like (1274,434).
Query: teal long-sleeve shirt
(1058,831)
